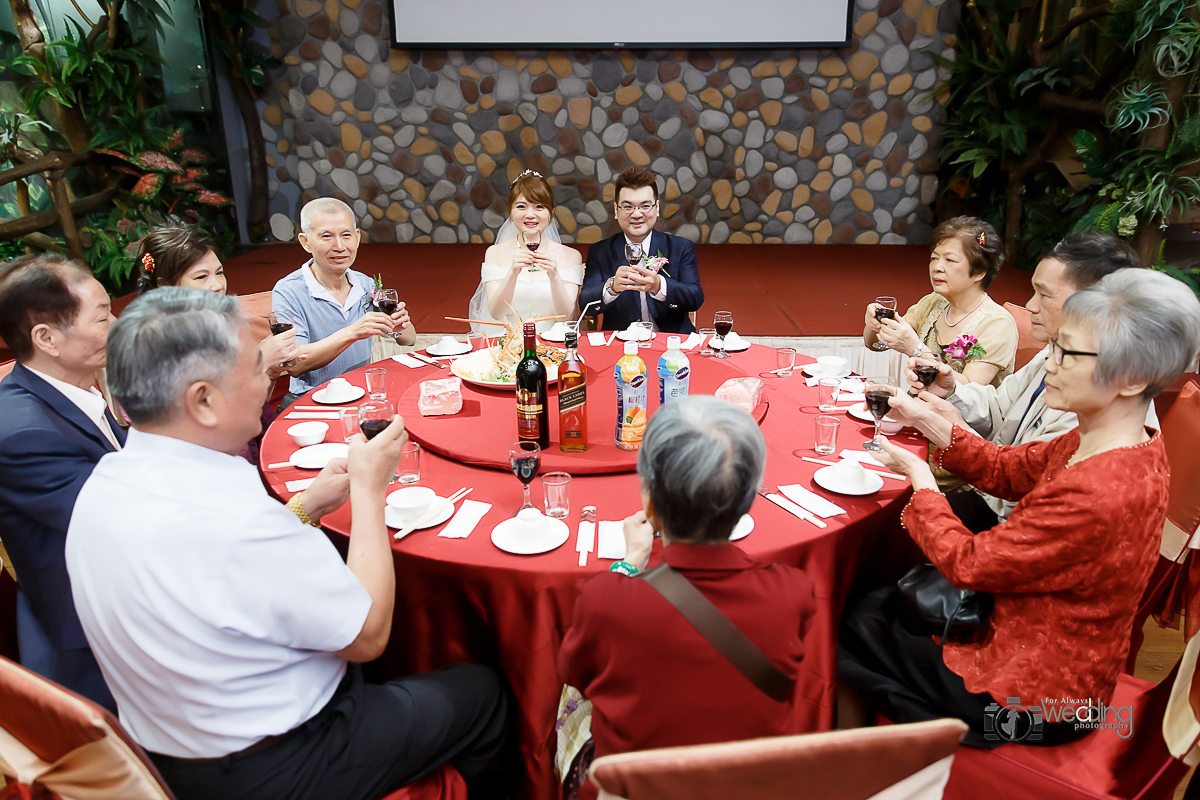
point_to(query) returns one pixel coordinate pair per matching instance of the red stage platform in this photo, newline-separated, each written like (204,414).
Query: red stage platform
(772,289)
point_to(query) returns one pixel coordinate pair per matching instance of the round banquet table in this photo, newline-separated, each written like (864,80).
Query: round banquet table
(466,600)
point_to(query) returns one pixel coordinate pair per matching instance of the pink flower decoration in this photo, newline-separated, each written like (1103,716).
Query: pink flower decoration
(656,263)
(962,346)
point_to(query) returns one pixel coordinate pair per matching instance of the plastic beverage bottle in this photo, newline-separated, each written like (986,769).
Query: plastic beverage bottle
(674,373)
(632,390)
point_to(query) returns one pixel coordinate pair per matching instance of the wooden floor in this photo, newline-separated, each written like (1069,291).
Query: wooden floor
(1159,652)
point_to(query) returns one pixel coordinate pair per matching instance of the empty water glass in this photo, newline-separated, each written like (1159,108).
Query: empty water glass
(478,340)
(708,334)
(409,469)
(785,361)
(349,417)
(826,434)
(644,332)
(557,489)
(377,383)
(827,393)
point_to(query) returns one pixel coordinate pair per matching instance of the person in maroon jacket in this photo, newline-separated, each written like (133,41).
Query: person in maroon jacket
(1066,570)
(653,679)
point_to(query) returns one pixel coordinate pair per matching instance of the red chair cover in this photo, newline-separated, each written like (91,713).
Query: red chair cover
(814,766)
(6,368)
(444,783)
(1181,436)
(66,744)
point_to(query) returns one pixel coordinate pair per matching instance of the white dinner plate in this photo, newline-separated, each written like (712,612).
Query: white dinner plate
(812,371)
(860,412)
(392,519)
(739,345)
(319,396)
(826,479)
(554,335)
(552,536)
(629,336)
(463,347)
(318,455)
(743,528)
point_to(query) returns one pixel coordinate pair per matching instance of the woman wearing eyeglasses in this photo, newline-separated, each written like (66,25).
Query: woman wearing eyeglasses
(528,272)
(641,274)
(1068,567)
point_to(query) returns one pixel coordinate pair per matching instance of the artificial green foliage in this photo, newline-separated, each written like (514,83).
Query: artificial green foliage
(1122,91)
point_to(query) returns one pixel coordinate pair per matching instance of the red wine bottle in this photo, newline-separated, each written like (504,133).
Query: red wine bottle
(533,410)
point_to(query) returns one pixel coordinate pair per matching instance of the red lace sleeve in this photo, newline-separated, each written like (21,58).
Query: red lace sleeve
(1005,472)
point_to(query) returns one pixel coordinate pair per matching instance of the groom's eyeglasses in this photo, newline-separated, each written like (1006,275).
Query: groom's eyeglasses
(629,208)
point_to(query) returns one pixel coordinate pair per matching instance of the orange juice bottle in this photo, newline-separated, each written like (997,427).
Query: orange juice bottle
(632,391)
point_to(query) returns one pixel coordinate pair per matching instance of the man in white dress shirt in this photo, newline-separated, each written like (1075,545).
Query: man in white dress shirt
(54,426)
(222,622)
(1015,412)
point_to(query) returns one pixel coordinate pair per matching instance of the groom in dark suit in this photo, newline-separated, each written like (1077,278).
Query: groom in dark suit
(626,293)
(54,427)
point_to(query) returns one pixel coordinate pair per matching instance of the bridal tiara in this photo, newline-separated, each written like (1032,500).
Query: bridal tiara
(523,174)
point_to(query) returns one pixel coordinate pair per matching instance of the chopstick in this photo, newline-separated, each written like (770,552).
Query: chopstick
(476,321)
(874,471)
(280,465)
(797,511)
(610,338)
(427,360)
(454,498)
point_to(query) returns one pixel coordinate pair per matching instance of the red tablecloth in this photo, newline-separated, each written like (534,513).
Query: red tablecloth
(465,600)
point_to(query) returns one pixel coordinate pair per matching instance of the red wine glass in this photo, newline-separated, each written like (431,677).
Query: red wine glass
(525,458)
(879,391)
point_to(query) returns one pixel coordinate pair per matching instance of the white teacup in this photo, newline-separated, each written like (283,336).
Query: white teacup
(308,433)
(410,504)
(339,389)
(529,522)
(831,365)
(850,474)
(557,331)
(447,344)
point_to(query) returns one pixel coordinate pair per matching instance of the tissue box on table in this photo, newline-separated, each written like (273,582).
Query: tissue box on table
(440,397)
(745,393)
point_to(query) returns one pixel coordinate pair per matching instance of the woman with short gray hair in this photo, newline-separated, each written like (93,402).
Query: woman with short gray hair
(1067,569)
(654,680)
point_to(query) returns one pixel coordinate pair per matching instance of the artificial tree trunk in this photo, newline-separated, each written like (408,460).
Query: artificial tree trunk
(71,123)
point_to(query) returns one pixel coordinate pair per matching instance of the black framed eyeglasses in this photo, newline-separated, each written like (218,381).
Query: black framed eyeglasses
(1057,351)
(629,208)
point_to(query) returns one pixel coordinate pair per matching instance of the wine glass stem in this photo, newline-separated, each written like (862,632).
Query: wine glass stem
(526,502)
(875,440)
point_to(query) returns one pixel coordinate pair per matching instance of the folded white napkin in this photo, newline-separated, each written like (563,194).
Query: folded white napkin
(612,541)
(585,540)
(408,361)
(860,455)
(311,415)
(468,516)
(851,397)
(597,338)
(299,485)
(847,384)
(693,340)
(810,501)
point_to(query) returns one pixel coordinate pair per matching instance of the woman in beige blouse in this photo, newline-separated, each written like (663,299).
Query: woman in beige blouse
(966,257)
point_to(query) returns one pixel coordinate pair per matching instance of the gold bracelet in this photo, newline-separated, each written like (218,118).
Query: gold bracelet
(294,505)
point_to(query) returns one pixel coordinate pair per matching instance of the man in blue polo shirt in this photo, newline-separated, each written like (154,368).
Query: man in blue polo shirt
(328,302)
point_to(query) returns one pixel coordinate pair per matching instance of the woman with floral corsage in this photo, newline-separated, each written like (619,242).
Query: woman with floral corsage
(528,272)
(957,323)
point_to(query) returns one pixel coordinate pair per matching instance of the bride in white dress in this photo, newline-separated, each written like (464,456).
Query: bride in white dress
(528,272)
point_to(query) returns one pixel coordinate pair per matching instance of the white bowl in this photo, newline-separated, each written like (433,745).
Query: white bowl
(529,522)
(308,433)
(339,389)
(410,503)
(447,343)
(850,474)
(831,365)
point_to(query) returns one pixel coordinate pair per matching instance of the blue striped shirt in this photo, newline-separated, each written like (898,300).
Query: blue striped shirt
(316,315)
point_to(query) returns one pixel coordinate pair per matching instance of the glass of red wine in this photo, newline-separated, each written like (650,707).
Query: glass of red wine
(526,459)
(879,392)
(280,323)
(389,303)
(885,308)
(926,374)
(633,254)
(373,418)
(533,240)
(723,322)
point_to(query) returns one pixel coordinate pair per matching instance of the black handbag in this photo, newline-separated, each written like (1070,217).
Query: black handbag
(929,605)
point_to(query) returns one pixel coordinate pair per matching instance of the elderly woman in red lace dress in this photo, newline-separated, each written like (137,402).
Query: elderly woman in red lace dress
(1066,570)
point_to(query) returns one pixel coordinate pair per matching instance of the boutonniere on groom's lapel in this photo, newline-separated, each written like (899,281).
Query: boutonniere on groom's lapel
(656,264)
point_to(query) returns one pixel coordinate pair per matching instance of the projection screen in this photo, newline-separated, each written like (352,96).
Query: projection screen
(620,23)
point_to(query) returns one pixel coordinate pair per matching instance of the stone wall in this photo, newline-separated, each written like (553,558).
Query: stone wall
(788,146)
